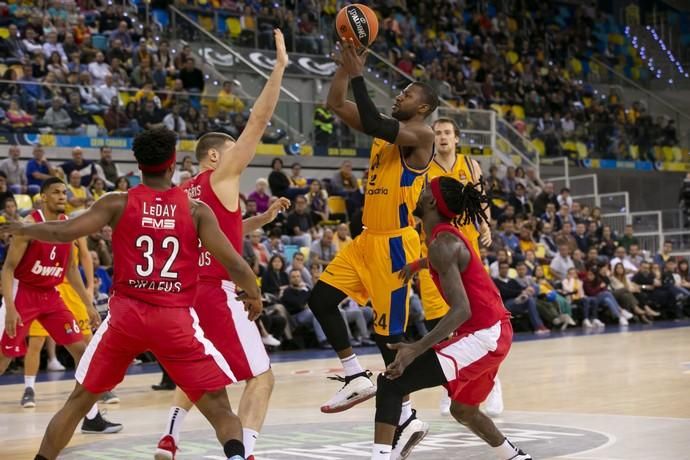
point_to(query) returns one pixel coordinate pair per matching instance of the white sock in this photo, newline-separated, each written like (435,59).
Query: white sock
(406,412)
(351,365)
(175,420)
(29,381)
(249,438)
(381,452)
(506,451)
(93,412)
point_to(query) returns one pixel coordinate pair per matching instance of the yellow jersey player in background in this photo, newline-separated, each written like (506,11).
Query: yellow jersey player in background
(447,162)
(38,335)
(367,269)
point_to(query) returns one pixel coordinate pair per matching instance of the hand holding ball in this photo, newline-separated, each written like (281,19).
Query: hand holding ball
(357,22)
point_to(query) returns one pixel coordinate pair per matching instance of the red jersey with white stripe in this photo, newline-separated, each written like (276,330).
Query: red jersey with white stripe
(155,248)
(43,265)
(199,188)
(485,300)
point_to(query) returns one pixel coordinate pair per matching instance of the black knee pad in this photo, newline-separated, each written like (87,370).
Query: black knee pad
(388,401)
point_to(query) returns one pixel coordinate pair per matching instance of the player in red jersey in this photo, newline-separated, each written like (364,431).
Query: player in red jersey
(32,271)
(156,232)
(467,363)
(223,319)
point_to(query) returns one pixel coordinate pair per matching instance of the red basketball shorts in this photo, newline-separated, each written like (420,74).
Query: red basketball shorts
(45,306)
(173,335)
(226,324)
(470,362)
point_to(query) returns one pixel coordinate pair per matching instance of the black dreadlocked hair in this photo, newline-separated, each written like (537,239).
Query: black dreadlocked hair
(466,201)
(154,146)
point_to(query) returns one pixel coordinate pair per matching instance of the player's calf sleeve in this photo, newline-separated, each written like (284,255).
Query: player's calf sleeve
(323,302)
(233,448)
(389,396)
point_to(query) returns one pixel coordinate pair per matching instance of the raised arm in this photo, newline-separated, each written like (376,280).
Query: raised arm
(338,103)
(231,165)
(254,223)
(102,213)
(215,241)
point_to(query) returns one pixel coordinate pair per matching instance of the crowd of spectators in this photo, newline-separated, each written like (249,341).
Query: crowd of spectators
(71,70)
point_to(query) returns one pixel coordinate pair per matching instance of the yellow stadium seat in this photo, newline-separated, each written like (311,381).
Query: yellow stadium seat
(336,205)
(475,64)
(125,97)
(305,250)
(658,153)
(635,73)
(667,153)
(539,146)
(616,39)
(547,271)
(576,65)
(512,273)
(582,152)
(519,112)
(234,26)
(512,57)
(4,33)
(206,22)
(634,152)
(540,253)
(587,101)
(23,201)
(99,121)
(677,154)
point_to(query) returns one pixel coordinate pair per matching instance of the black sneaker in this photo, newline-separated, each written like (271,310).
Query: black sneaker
(28,399)
(99,425)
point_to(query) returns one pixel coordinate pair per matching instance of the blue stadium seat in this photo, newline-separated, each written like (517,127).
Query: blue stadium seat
(161,17)
(100,42)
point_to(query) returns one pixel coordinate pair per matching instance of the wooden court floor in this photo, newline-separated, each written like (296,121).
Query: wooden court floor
(608,396)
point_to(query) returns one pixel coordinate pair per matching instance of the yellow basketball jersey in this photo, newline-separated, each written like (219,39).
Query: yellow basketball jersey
(462,171)
(392,189)
(75,257)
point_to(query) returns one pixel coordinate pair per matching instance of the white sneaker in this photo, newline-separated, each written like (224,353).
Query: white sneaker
(55,366)
(597,323)
(493,406)
(626,314)
(587,324)
(623,321)
(445,403)
(357,389)
(407,436)
(521,456)
(270,341)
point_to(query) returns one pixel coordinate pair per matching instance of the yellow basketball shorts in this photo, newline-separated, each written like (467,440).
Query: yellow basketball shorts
(75,305)
(368,268)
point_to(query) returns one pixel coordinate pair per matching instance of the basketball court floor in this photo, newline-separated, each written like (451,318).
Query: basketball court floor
(623,394)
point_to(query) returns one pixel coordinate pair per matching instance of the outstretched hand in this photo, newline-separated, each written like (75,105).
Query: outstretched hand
(252,305)
(280,205)
(281,51)
(352,61)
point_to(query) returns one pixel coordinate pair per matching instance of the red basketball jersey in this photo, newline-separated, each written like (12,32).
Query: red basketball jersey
(44,265)
(155,248)
(485,300)
(199,188)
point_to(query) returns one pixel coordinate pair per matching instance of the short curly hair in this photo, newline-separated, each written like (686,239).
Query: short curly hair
(153,147)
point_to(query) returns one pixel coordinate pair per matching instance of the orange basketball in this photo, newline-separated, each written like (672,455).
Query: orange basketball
(357,22)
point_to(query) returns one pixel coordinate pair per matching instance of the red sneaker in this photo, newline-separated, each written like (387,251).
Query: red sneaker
(251,457)
(166,448)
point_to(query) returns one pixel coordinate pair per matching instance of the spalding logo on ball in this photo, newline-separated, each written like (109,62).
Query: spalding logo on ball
(357,22)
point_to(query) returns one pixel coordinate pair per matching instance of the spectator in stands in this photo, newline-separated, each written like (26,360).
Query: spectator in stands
(519,201)
(111,170)
(56,117)
(296,178)
(77,195)
(17,119)
(89,95)
(122,184)
(607,243)
(581,237)
(52,46)
(509,238)
(227,101)
(80,117)
(344,181)
(192,77)
(323,250)
(342,237)
(15,171)
(100,271)
(519,300)
(317,199)
(150,117)
(298,264)
(38,169)
(574,292)
(564,216)
(299,224)
(566,236)
(260,250)
(277,179)
(624,291)
(628,238)
(323,125)
(561,263)
(295,298)
(595,286)
(31,92)
(545,197)
(509,181)
(116,121)
(564,198)
(174,122)
(664,254)
(164,56)
(260,195)
(547,240)
(527,242)
(57,66)
(122,34)
(249,209)
(99,69)
(501,256)
(10,210)
(78,163)
(98,188)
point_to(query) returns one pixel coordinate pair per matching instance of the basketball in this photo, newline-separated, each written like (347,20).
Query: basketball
(357,22)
